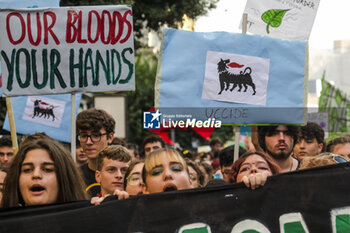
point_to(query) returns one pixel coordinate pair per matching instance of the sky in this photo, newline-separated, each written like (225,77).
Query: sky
(331,22)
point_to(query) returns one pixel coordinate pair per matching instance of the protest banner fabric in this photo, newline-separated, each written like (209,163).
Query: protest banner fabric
(49,114)
(26,4)
(67,49)
(204,75)
(285,19)
(337,104)
(289,202)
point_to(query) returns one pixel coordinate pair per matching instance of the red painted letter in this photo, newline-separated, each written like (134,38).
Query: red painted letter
(23,27)
(71,30)
(98,20)
(48,28)
(29,28)
(129,26)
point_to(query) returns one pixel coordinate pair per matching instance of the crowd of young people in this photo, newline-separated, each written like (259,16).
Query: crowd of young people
(43,171)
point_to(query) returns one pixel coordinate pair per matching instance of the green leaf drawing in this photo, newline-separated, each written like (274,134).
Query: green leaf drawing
(273,17)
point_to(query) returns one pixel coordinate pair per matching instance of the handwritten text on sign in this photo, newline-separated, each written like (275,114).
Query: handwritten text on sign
(63,50)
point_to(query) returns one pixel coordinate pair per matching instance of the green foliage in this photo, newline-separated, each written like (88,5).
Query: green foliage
(273,17)
(143,98)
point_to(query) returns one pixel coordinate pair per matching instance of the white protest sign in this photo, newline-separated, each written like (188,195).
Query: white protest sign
(284,19)
(67,49)
(44,111)
(242,79)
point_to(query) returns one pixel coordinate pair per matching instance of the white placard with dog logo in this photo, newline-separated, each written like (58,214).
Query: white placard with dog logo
(236,78)
(44,111)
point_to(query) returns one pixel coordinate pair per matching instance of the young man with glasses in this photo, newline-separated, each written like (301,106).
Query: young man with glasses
(95,130)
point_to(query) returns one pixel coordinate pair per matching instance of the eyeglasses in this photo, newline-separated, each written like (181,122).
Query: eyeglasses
(95,137)
(134,179)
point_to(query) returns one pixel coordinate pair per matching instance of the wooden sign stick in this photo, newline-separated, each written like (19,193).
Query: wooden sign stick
(12,125)
(237,128)
(73,126)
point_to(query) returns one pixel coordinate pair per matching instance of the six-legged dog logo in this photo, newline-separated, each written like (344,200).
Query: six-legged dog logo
(226,78)
(40,111)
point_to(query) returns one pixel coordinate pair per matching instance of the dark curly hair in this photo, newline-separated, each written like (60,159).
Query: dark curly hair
(95,119)
(153,138)
(5,141)
(264,131)
(310,131)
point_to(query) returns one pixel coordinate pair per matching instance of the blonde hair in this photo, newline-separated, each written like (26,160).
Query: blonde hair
(154,159)
(320,160)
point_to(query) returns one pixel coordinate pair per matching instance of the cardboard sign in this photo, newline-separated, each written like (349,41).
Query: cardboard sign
(48,113)
(65,50)
(231,77)
(285,19)
(26,4)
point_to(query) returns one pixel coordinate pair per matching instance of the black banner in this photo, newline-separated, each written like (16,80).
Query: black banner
(315,200)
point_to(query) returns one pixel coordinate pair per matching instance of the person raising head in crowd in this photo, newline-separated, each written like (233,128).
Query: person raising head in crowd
(151,143)
(112,164)
(340,146)
(253,168)
(278,142)
(95,130)
(42,172)
(310,141)
(6,151)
